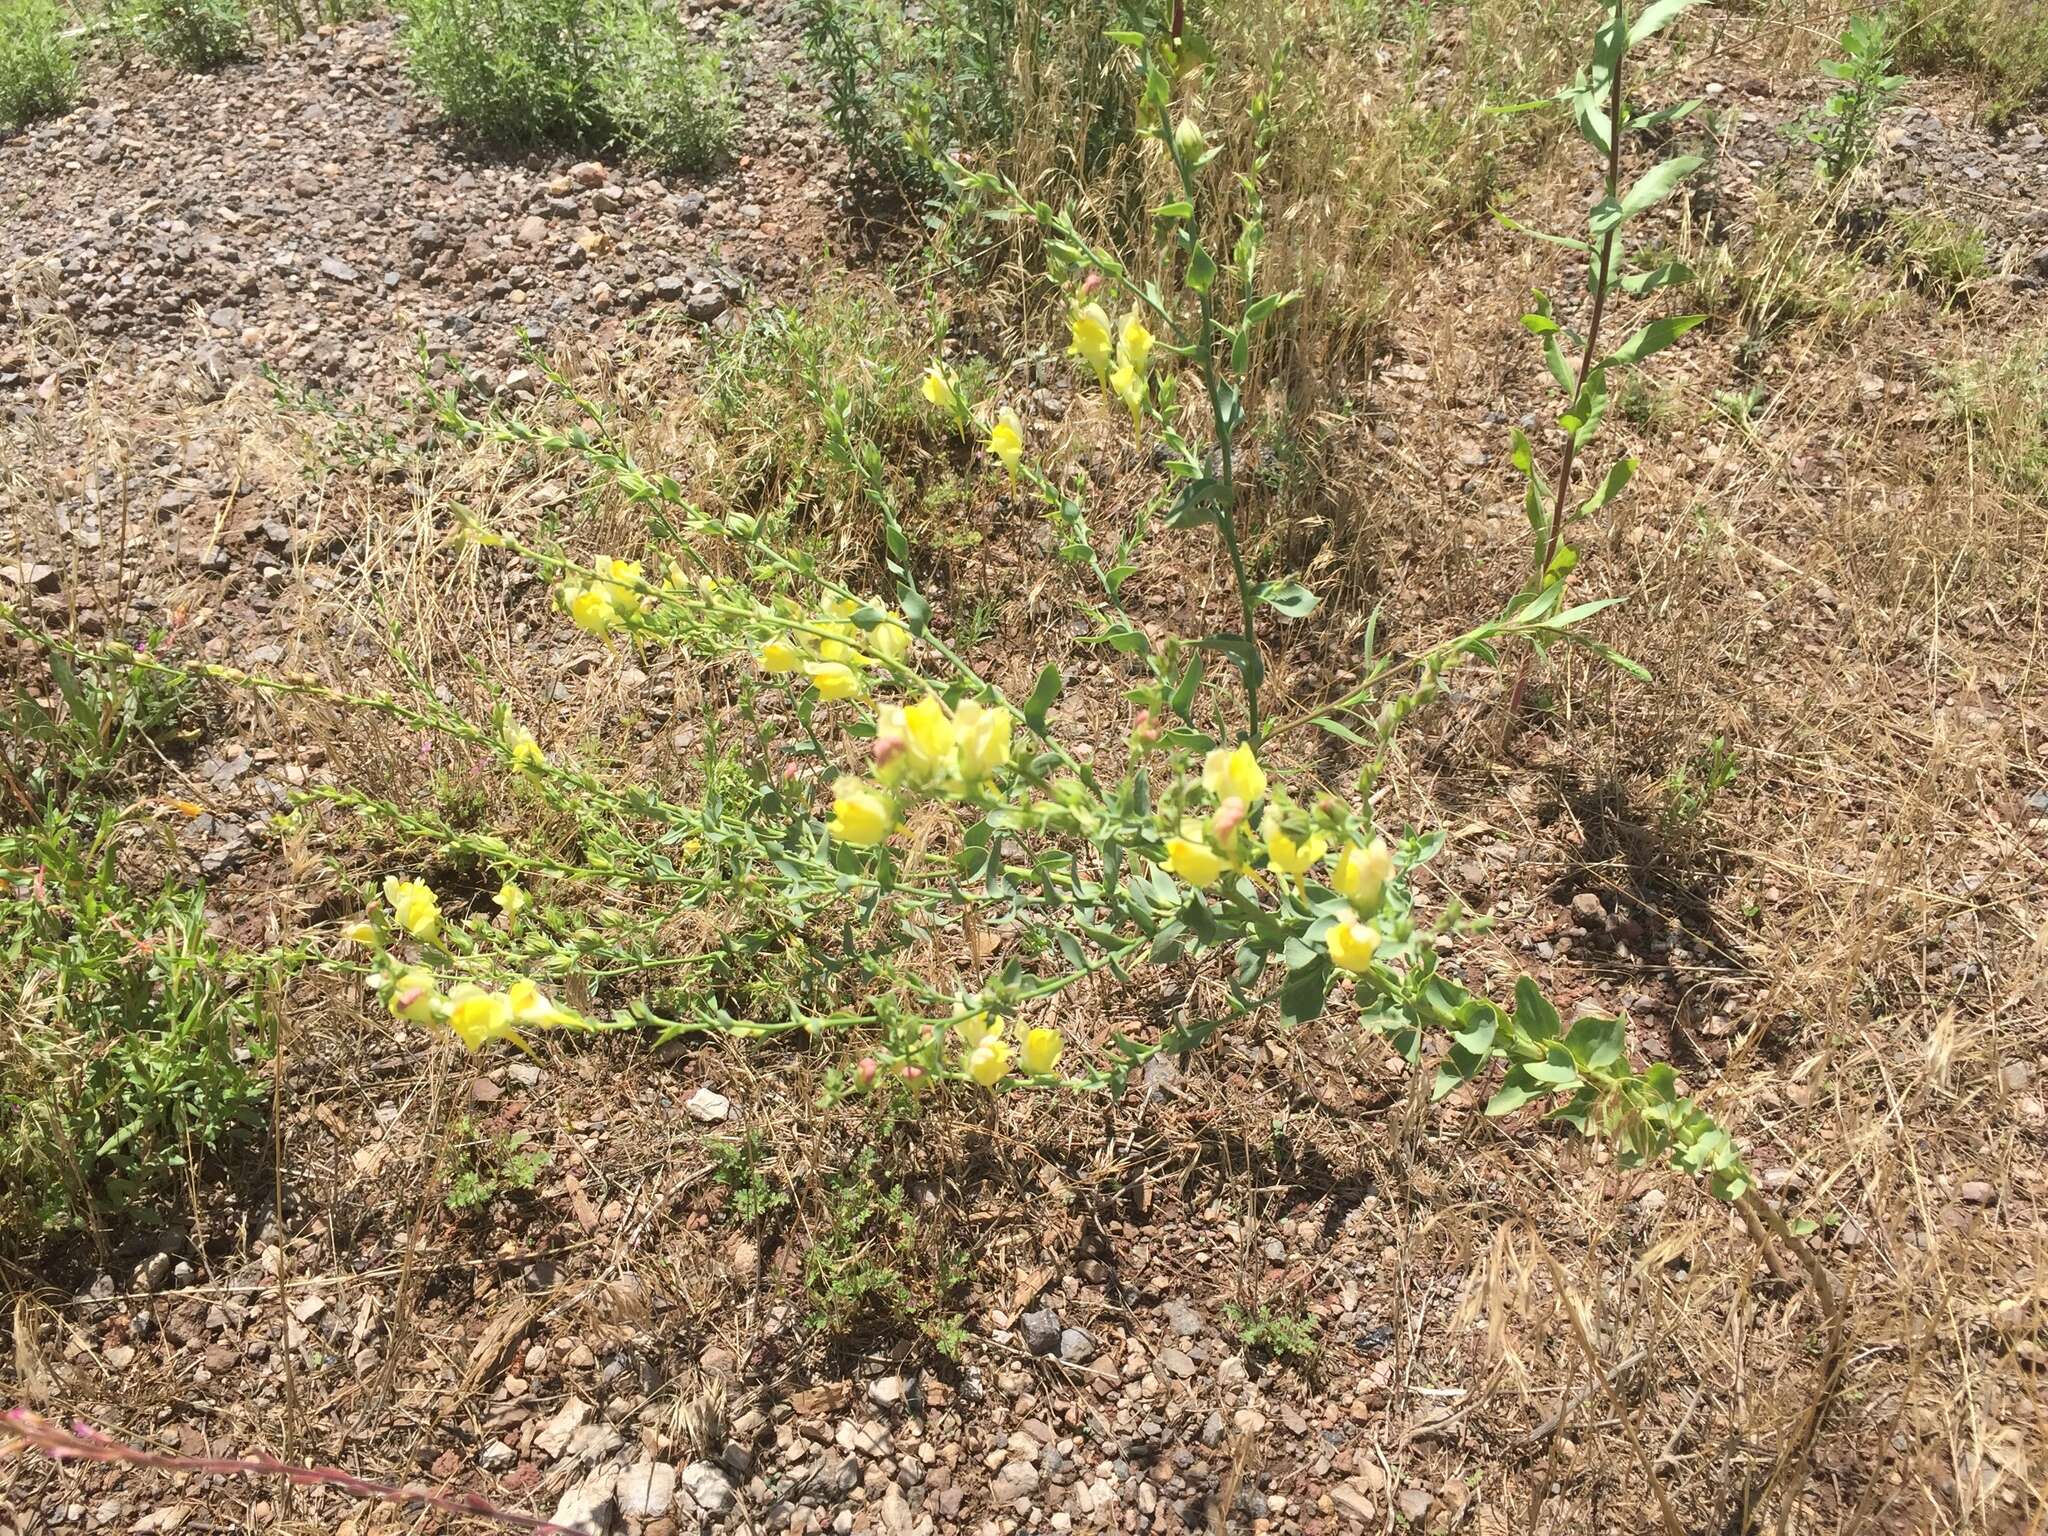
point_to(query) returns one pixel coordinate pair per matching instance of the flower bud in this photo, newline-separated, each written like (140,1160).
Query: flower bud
(1187,138)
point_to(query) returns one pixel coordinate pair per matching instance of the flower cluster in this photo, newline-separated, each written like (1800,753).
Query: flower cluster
(473,1014)
(612,598)
(834,652)
(1208,848)
(985,1052)
(1121,361)
(922,749)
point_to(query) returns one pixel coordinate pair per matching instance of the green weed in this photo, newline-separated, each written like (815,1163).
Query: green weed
(489,1166)
(1283,1335)
(574,72)
(1847,125)
(194,35)
(38,73)
(2003,44)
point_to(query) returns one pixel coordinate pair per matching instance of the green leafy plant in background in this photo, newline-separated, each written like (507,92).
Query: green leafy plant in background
(1575,361)
(129,1029)
(2003,44)
(194,35)
(38,71)
(574,72)
(490,1166)
(1846,128)
(1284,1335)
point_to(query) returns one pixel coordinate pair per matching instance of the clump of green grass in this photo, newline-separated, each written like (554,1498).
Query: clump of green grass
(1942,258)
(194,35)
(2002,44)
(575,72)
(38,74)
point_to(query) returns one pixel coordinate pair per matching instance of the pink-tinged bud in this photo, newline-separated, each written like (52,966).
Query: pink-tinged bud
(865,1071)
(1229,817)
(791,772)
(913,1074)
(888,749)
(1090,284)
(1145,730)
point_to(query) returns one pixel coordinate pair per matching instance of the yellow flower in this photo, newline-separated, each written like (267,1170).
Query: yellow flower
(928,736)
(512,899)
(833,679)
(1006,440)
(984,736)
(988,1061)
(973,1028)
(532,1006)
(479,1017)
(525,751)
(412,997)
(889,641)
(859,815)
(1352,944)
(1234,773)
(360,933)
(1128,385)
(592,610)
(1091,339)
(1283,854)
(1362,874)
(940,389)
(1134,345)
(414,907)
(1041,1051)
(625,576)
(778,655)
(1195,862)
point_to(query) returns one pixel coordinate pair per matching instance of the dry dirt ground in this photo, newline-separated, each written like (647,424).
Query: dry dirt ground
(220,292)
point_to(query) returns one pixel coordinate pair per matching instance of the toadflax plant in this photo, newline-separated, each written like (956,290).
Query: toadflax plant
(871,793)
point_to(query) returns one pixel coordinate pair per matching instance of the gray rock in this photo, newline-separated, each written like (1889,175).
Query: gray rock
(336,268)
(1183,1319)
(707,1486)
(647,1491)
(669,289)
(590,1506)
(706,305)
(33,578)
(1017,1480)
(497,1457)
(1415,1504)
(1176,1362)
(1076,1348)
(1041,1330)
(708,1106)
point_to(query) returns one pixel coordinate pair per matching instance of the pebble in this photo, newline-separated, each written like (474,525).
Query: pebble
(647,1491)
(1017,1480)
(707,1486)
(1041,1331)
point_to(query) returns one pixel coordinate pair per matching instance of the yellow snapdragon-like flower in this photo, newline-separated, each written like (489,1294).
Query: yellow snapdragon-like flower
(984,737)
(524,750)
(418,913)
(1352,943)
(941,388)
(929,737)
(1041,1050)
(1362,874)
(512,899)
(834,680)
(412,997)
(1283,854)
(778,655)
(1192,859)
(1006,441)
(988,1061)
(973,1028)
(1092,344)
(592,611)
(362,933)
(889,641)
(623,578)
(1134,345)
(533,1007)
(860,815)
(478,1017)
(1234,772)
(1128,385)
